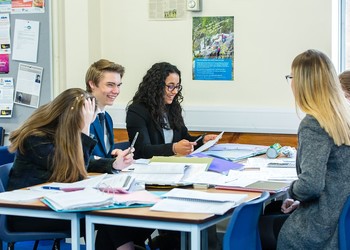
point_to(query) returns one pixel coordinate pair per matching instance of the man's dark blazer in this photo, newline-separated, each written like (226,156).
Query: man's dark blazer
(97,133)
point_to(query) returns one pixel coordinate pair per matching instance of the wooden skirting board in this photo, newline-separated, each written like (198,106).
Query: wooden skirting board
(232,137)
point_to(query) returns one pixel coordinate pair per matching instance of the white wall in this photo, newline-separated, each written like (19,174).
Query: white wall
(268,35)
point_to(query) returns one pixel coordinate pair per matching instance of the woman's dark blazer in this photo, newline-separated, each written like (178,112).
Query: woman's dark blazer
(150,141)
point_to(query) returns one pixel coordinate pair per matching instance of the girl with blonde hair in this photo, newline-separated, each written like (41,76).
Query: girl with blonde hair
(323,157)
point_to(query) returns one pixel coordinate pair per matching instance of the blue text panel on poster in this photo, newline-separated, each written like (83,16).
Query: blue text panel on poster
(212,69)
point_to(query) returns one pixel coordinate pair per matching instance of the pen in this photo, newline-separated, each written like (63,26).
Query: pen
(67,189)
(234,179)
(133,142)
(51,188)
(201,137)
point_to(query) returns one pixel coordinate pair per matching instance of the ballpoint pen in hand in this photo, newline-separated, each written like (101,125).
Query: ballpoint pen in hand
(133,142)
(201,137)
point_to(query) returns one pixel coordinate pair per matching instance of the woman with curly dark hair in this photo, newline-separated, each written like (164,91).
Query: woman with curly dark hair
(156,113)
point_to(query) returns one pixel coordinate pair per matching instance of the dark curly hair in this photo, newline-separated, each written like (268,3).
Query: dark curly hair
(151,93)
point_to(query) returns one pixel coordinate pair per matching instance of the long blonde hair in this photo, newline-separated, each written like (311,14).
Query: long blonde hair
(318,92)
(61,120)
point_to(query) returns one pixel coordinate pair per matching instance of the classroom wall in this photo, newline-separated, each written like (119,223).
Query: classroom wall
(268,35)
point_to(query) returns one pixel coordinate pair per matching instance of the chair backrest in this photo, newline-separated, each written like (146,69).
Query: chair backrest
(4,175)
(14,236)
(344,226)
(5,155)
(242,231)
(122,145)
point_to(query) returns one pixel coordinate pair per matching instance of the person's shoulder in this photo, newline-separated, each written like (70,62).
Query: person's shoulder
(311,124)
(36,139)
(137,107)
(309,121)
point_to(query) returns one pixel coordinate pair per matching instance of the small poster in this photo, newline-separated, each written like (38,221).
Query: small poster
(5,40)
(29,80)
(213,48)
(4,64)
(27,6)
(6,97)
(5,5)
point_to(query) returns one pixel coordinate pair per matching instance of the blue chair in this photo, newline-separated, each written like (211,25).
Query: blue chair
(122,145)
(242,231)
(11,237)
(344,226)
(5,155)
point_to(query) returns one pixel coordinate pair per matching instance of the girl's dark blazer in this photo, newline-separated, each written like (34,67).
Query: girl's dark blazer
(150,141)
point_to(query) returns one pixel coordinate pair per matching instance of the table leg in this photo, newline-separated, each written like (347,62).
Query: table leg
(75,233)
(90,234)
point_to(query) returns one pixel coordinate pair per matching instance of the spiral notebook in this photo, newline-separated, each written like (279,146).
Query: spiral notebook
(193,201)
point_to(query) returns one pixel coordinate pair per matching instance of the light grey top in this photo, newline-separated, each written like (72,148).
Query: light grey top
(322,188)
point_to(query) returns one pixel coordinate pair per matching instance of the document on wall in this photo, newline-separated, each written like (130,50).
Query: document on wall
(28,85)
(25,40)
(166,9)
(6,97)
(5,47)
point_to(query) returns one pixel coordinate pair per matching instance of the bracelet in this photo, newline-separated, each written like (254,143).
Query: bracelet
(174,148)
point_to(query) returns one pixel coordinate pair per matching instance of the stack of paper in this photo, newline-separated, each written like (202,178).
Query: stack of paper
(104,182)
(92,199)
(159,173)
(78,200)
(192,201)
(235,151)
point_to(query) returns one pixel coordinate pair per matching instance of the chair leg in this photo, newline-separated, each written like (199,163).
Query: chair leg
(56,244)
(36,244)
(11,246)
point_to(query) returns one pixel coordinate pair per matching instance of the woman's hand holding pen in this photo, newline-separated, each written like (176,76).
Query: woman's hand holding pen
(123,158)
(183,147)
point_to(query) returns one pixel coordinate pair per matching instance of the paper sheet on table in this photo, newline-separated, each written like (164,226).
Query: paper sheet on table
(24,195)
(208,144)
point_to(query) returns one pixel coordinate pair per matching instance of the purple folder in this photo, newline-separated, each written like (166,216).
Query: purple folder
(220,165)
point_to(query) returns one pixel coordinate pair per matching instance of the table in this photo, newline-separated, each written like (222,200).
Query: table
(192,223)
(40,210)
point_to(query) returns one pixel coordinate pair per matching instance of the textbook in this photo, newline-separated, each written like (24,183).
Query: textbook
(193,201)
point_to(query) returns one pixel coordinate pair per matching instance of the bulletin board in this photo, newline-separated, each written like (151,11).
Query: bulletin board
(44,60)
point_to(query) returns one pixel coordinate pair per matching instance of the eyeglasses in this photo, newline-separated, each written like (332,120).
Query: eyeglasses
(171,87)
(289,78)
